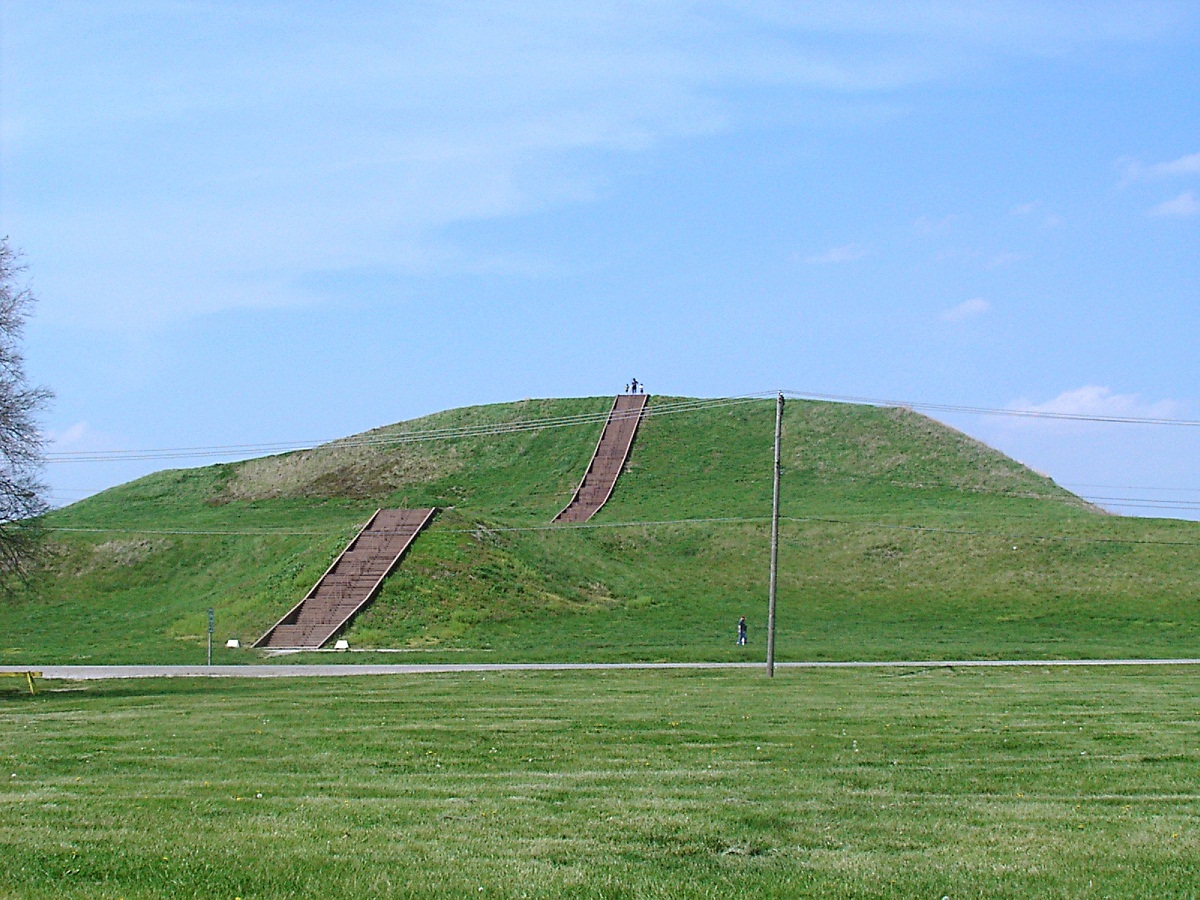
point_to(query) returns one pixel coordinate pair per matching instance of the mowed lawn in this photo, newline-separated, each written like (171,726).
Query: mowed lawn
(907,783)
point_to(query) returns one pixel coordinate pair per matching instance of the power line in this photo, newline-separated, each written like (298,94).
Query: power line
(520,425)
(980,533)
(1179,503)
(1128,487)
(1151,505)
(1018,493)
(576,526)
(70,529)
(996,411)
(657,523)
(397,438)
(392,438)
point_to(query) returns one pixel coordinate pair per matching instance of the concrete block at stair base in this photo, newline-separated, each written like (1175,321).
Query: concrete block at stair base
(342,645)
(233,643)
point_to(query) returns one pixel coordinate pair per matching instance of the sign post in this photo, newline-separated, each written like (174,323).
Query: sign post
(212,619)
(774,540)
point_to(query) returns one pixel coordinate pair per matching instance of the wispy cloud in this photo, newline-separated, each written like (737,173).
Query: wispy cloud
(80,436)
(843,254)
(1094,400)
(934,225)
(1185,204)
(1135,170)
(361,135)
(1037,207)
(1003,259)
(1185,165)
(968,309)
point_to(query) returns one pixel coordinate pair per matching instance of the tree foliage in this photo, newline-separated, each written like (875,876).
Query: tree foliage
(21,443)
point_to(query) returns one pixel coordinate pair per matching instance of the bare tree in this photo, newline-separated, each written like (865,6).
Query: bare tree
(21,442)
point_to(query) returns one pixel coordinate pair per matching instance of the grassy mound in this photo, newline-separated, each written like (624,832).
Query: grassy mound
(903,539)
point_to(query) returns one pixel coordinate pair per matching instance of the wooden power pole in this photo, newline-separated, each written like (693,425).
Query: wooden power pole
(774,541)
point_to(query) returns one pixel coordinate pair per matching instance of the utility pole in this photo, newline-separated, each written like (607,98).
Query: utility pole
(211,622)
(774,541)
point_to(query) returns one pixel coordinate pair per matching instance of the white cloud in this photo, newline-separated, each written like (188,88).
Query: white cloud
(968,309)
(1185,165)
(72,437)
(1185,204)
(991,26)
(1049,219)
(1004,258)
(210,178)
(1094,400)
(843,254)
(1135,170)
(928,225)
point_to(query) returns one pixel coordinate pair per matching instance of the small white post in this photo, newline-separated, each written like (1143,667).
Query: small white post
(774,540)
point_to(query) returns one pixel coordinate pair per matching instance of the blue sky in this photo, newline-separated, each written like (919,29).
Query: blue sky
(292,221)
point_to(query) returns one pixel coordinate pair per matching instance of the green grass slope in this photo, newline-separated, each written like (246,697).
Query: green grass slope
(903,539)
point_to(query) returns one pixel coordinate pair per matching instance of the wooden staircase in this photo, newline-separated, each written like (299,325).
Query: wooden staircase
(612,451)
(351,582)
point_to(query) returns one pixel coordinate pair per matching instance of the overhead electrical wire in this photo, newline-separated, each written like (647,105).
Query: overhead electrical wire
(1180,503)
(996,411)
(1030,492)
(1127,487)
(929,485)
(483,429)
(656,523)
(519,425)
(385,437)
(1150,505)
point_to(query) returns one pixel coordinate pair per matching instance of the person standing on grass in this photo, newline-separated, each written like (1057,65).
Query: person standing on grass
(742,632)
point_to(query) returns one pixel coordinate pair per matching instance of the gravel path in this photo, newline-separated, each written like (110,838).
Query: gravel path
(90,673)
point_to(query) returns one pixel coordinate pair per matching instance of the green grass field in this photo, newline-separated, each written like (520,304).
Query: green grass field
(907,783)
(905,540)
